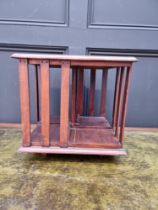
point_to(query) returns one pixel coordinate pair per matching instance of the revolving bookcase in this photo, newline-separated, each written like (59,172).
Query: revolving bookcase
(73,132)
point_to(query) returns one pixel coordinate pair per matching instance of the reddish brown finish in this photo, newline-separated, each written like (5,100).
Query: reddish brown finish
(80,89)
(85,134)
(119,102)
(92,92)
(84,64)
(64,104)
(25,102)
(115,98)
(103,92)
(45,103)
(74,95)
(92,122)
(37,93)
(124,108)
(99,64)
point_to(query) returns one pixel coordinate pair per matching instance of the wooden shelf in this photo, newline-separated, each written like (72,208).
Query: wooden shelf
(84,134)
(92,122)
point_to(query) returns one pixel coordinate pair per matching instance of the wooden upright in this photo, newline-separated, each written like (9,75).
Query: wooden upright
(80,131)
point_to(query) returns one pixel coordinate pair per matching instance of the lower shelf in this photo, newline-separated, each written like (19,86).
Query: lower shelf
(72,150)
(90,135)
(79,137)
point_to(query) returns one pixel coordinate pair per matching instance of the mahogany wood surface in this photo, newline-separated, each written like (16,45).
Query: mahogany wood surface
(92,92)
(83,136)
(78,132)
(25,102)
(103,92)
(45,102)
(64,104)
(74,95)
(36,72)
(88,64)
(80,89)
(91,121)
(115,98)
(119,102)
(124,109)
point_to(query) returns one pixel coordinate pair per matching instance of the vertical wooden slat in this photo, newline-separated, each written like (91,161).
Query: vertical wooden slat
(80,90)
(124,106)
(45,102)
(92,92)
(115,98)
(64,104)
(74,95)
(119,103)
(25,102)
(37,93)
(102,111)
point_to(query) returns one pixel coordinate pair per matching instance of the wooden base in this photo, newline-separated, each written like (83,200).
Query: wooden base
(73,150)
(89,136)
(84,134)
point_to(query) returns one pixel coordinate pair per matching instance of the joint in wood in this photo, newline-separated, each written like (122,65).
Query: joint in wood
(23,60)
(65,62)
(44,61)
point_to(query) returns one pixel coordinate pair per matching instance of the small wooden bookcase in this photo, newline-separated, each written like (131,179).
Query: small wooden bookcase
(72,132)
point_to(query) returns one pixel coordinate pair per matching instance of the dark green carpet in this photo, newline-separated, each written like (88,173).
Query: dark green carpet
(58,182)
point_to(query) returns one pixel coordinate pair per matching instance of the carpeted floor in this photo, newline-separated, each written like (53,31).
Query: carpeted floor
(59,182)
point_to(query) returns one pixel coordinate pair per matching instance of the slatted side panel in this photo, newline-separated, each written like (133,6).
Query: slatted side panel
(92,92)
(45,102)
(115,98)
(25,101)
(125,101)
(80,89)
(74,95)
(36,85)
(64,104)
(102,111)
(119,103)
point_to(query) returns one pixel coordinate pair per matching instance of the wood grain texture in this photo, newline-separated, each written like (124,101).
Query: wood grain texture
(25,101)
(115,98)
(74,95)
(84,63)
(92,92)
(102,111)
(64,104)
(125,100)
(45,101)
(36,72)
(80,89)
(99,64)
(119,102)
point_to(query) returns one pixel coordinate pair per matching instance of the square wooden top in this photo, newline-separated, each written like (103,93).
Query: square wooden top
(74,57)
